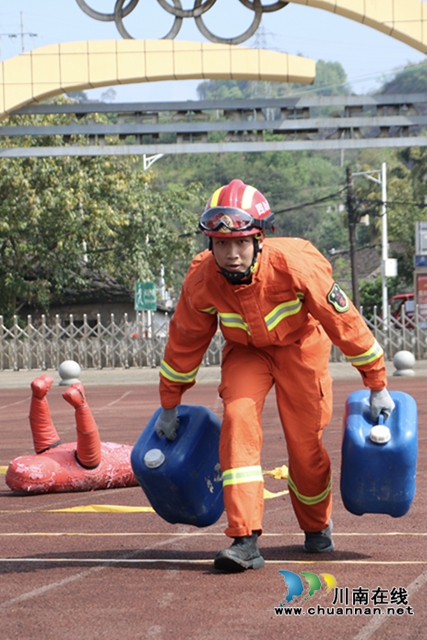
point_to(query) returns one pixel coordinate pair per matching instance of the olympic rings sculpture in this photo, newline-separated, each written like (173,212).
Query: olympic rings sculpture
(123,8)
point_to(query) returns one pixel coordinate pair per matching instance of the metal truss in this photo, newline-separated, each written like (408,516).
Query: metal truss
(215,126)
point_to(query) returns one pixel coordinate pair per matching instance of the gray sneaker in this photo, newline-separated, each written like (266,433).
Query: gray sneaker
(243,554)
(319,541)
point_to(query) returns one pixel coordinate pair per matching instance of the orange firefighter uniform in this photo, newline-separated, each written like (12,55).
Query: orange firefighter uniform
(278,330)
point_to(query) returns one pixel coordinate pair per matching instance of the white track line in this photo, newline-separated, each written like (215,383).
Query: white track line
(206,534)
(110,404)
(13,404)
(130,560)
(373,625)
(82,574)
(48,587)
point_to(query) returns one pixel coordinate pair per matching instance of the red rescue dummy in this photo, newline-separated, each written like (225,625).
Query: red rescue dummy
(84,465)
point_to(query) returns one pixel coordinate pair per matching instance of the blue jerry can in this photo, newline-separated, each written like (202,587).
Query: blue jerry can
(182,478)
(378,470)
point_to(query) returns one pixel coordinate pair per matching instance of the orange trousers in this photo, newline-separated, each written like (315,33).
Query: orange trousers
(304,399)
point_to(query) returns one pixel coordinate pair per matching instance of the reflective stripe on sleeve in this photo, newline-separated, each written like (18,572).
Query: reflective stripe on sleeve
(175,376)
(211,310)
(309,499)
(242,475)
(371,355)
(282,311)
(234,321)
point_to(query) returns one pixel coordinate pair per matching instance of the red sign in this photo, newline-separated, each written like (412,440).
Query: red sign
(422,293)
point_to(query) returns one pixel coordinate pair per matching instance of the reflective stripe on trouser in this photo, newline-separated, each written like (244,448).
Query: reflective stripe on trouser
(239,454)
(304,399)
(309,499)
(242,475)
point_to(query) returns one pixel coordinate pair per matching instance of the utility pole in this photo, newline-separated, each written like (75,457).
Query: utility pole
(388,266)
(384,242)
(22,32)
(25,33)
(352,221)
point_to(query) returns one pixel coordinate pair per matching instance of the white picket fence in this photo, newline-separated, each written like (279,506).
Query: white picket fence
(128,343)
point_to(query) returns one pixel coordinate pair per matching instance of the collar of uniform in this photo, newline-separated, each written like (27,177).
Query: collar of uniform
(257,274)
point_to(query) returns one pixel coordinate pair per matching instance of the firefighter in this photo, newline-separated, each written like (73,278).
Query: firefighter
(279,310)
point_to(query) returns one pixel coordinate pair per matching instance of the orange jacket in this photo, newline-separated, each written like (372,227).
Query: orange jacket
(291,290)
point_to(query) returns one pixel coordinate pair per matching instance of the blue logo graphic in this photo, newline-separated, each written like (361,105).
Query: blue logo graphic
(296,586)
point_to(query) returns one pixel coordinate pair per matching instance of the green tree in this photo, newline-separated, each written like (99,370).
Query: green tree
(342,274)
(78,96)
(371,295)
(330,80)
(402,208)
(64,218)
(411,79)
(286,179)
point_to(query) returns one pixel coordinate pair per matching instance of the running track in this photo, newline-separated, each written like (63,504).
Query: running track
(131,575)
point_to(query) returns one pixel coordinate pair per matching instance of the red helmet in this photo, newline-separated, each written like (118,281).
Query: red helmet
(236,210)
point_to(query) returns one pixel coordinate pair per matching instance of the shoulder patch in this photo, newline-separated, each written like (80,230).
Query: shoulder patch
(338,299)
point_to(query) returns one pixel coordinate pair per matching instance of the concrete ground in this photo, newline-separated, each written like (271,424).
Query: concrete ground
(146,375)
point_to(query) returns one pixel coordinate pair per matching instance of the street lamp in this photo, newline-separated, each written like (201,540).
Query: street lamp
(388,267)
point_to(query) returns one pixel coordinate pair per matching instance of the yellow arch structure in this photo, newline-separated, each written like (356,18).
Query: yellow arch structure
(73,66)
(405,20)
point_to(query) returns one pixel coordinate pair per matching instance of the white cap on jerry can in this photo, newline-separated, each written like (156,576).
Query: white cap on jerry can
(380,434)
(154,458)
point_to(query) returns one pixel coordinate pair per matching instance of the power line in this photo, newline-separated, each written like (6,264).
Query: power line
(391,203)
(22,33)
(307,204)
(9,35)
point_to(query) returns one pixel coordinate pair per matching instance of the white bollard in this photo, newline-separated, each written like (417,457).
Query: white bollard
(69,372)
(404,362)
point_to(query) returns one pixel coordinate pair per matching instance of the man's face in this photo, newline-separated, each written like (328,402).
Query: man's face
(233,254)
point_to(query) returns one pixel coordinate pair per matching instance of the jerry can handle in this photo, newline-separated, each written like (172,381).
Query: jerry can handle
(381,419)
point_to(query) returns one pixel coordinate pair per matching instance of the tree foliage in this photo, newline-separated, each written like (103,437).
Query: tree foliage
(411,79)
(286,179)
(405,198)
(330,80)
(63,218)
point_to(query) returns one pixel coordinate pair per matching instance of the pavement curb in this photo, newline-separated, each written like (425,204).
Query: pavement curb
(150,376)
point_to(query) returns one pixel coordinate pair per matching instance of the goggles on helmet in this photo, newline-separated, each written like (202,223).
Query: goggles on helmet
(232,219)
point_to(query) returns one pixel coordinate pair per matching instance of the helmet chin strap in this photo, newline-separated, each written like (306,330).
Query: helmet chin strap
(241,277)
(238,277)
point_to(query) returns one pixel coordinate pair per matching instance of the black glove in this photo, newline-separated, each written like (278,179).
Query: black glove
(167,423)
